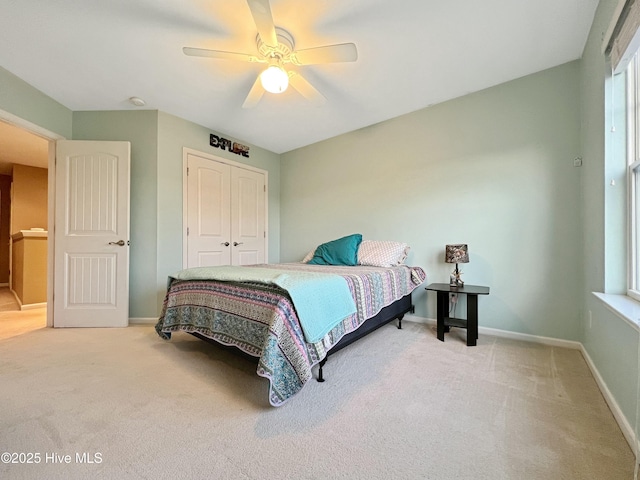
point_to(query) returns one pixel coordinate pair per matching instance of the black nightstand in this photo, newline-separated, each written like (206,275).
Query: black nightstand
(471,322)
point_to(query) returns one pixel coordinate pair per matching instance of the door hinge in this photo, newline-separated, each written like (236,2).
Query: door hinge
(187,231)
(264,188)
(187,171)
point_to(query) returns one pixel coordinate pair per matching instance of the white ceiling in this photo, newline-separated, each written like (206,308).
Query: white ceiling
(95,54)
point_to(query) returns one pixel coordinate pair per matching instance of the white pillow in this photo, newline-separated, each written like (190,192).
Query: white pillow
(309,256)
(381,253)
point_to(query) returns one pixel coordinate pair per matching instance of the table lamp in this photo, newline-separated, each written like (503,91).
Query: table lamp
(458,253)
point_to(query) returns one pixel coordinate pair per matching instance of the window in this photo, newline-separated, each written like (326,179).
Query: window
(633,175)
(621,44)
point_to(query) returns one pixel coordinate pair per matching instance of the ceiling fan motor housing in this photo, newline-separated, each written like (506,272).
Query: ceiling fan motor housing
(282,51)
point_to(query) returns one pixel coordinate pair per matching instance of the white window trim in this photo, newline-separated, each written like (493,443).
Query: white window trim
(623,306)
(633,174)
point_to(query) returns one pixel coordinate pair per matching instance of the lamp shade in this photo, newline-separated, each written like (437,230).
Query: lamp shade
(458,253)
(274,79)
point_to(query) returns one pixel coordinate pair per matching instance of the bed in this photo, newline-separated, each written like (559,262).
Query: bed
(261,319)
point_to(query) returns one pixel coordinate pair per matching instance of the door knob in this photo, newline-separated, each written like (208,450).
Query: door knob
(120,243)
(226,244)
(235,244)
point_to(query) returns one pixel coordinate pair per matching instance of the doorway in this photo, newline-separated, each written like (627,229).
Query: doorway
(30,148)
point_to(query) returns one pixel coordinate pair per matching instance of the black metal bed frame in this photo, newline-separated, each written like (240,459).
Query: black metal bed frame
(397,309)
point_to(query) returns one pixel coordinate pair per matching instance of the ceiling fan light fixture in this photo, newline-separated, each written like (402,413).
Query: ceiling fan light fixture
(274,79)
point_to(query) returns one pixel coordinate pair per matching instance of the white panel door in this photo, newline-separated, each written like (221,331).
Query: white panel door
(247,217)
(208,212)
(91,264)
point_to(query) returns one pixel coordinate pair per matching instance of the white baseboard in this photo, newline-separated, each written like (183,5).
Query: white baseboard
(494,332)
(16,297)
(143,321)
(31,306)
(27,306)
(627,430)
(554,342)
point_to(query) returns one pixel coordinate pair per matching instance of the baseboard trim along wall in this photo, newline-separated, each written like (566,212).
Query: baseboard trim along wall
(27,306)
(31,306)
(627,429)
(555,342)
(143,321)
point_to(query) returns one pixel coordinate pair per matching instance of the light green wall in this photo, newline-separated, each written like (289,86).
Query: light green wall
(174,133)
(493,169)
(141,129)
(157,141)
(22,100)
(609,341)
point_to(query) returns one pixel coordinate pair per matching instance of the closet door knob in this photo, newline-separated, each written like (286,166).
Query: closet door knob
(226,244)
(235,244)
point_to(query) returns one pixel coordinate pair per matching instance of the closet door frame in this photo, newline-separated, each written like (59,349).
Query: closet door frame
(185,223)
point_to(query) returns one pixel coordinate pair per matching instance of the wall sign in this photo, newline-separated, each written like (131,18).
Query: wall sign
(226,144)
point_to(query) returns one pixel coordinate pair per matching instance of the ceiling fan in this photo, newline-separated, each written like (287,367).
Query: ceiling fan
(276,48)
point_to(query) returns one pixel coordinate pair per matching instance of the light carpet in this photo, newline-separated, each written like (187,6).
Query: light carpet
(14,321)
(398,404)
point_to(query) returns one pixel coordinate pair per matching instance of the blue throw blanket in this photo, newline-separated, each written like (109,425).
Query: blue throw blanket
(321,300)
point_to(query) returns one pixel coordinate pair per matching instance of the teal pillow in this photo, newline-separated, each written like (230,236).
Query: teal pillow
(343,251)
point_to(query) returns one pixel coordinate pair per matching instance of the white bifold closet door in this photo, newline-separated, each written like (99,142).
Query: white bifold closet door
(225,213)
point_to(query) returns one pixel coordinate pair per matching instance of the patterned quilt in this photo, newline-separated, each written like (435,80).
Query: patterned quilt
(261,320)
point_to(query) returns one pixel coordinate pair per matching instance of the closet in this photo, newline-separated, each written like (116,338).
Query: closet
(225,212)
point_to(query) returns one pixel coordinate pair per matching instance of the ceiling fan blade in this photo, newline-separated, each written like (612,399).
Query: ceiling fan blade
(342,52)
(255,94)
(307,90)
(203,52)
(261,12)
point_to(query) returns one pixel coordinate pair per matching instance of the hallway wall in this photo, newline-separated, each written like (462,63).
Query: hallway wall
(5,223)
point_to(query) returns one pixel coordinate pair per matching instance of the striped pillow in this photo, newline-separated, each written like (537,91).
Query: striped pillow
(309,256)
(380,253)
